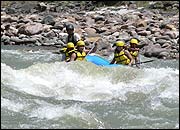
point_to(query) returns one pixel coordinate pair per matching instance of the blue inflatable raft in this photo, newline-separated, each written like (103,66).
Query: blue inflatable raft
(100,61)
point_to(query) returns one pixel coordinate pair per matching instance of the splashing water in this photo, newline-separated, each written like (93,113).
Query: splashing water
(43,92)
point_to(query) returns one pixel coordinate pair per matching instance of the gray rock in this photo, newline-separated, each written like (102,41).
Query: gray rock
(10,10)
(166,37)
(90,32)
(144,33)
(15,39)
(170,34)
(5,38)
(31,29)
(166,45)
(161,41)
(164,55)
(49,20)
(99,18)
(156,31)
(41,6)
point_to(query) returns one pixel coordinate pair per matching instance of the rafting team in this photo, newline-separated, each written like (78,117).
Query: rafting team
(75,49)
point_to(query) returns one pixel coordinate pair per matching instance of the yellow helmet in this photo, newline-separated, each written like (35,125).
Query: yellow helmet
(119,43)
(70,45)
(80,43)
(133,40)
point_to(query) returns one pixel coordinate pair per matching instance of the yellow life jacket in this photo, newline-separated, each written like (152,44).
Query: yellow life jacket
(121,58)
(80,56)
(134,53)
(63,50)
(67,53)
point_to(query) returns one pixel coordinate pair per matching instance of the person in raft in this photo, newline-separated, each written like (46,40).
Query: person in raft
(134,51)
(121,55)
(81,52)
(67,51)
(71,36)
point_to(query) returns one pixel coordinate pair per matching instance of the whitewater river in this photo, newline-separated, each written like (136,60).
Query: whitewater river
(39,91)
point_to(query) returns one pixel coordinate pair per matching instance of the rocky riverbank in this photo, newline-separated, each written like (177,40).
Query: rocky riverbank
(42,24)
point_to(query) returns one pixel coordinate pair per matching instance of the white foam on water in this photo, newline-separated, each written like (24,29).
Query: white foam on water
(48,112)
(59,80)
(10,105)
(30,55)
(55,112)
(10,51)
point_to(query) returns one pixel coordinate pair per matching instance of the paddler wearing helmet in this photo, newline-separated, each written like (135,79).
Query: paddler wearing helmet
(81,51)
(134,50)
(68,51)
(121,55)
(71,35)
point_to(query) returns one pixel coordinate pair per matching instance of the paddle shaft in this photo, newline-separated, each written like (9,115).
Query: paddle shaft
(143,62)
(92,47)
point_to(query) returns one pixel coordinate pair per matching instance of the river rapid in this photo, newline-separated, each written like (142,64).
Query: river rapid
(40,91)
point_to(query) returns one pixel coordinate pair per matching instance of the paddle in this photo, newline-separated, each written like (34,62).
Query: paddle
(91,49)
(96,39)
(144,62)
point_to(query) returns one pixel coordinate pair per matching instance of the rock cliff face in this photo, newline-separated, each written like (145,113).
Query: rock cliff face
(43,24)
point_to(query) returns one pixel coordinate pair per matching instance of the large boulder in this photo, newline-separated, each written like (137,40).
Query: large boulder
(31,29)
(90,32)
